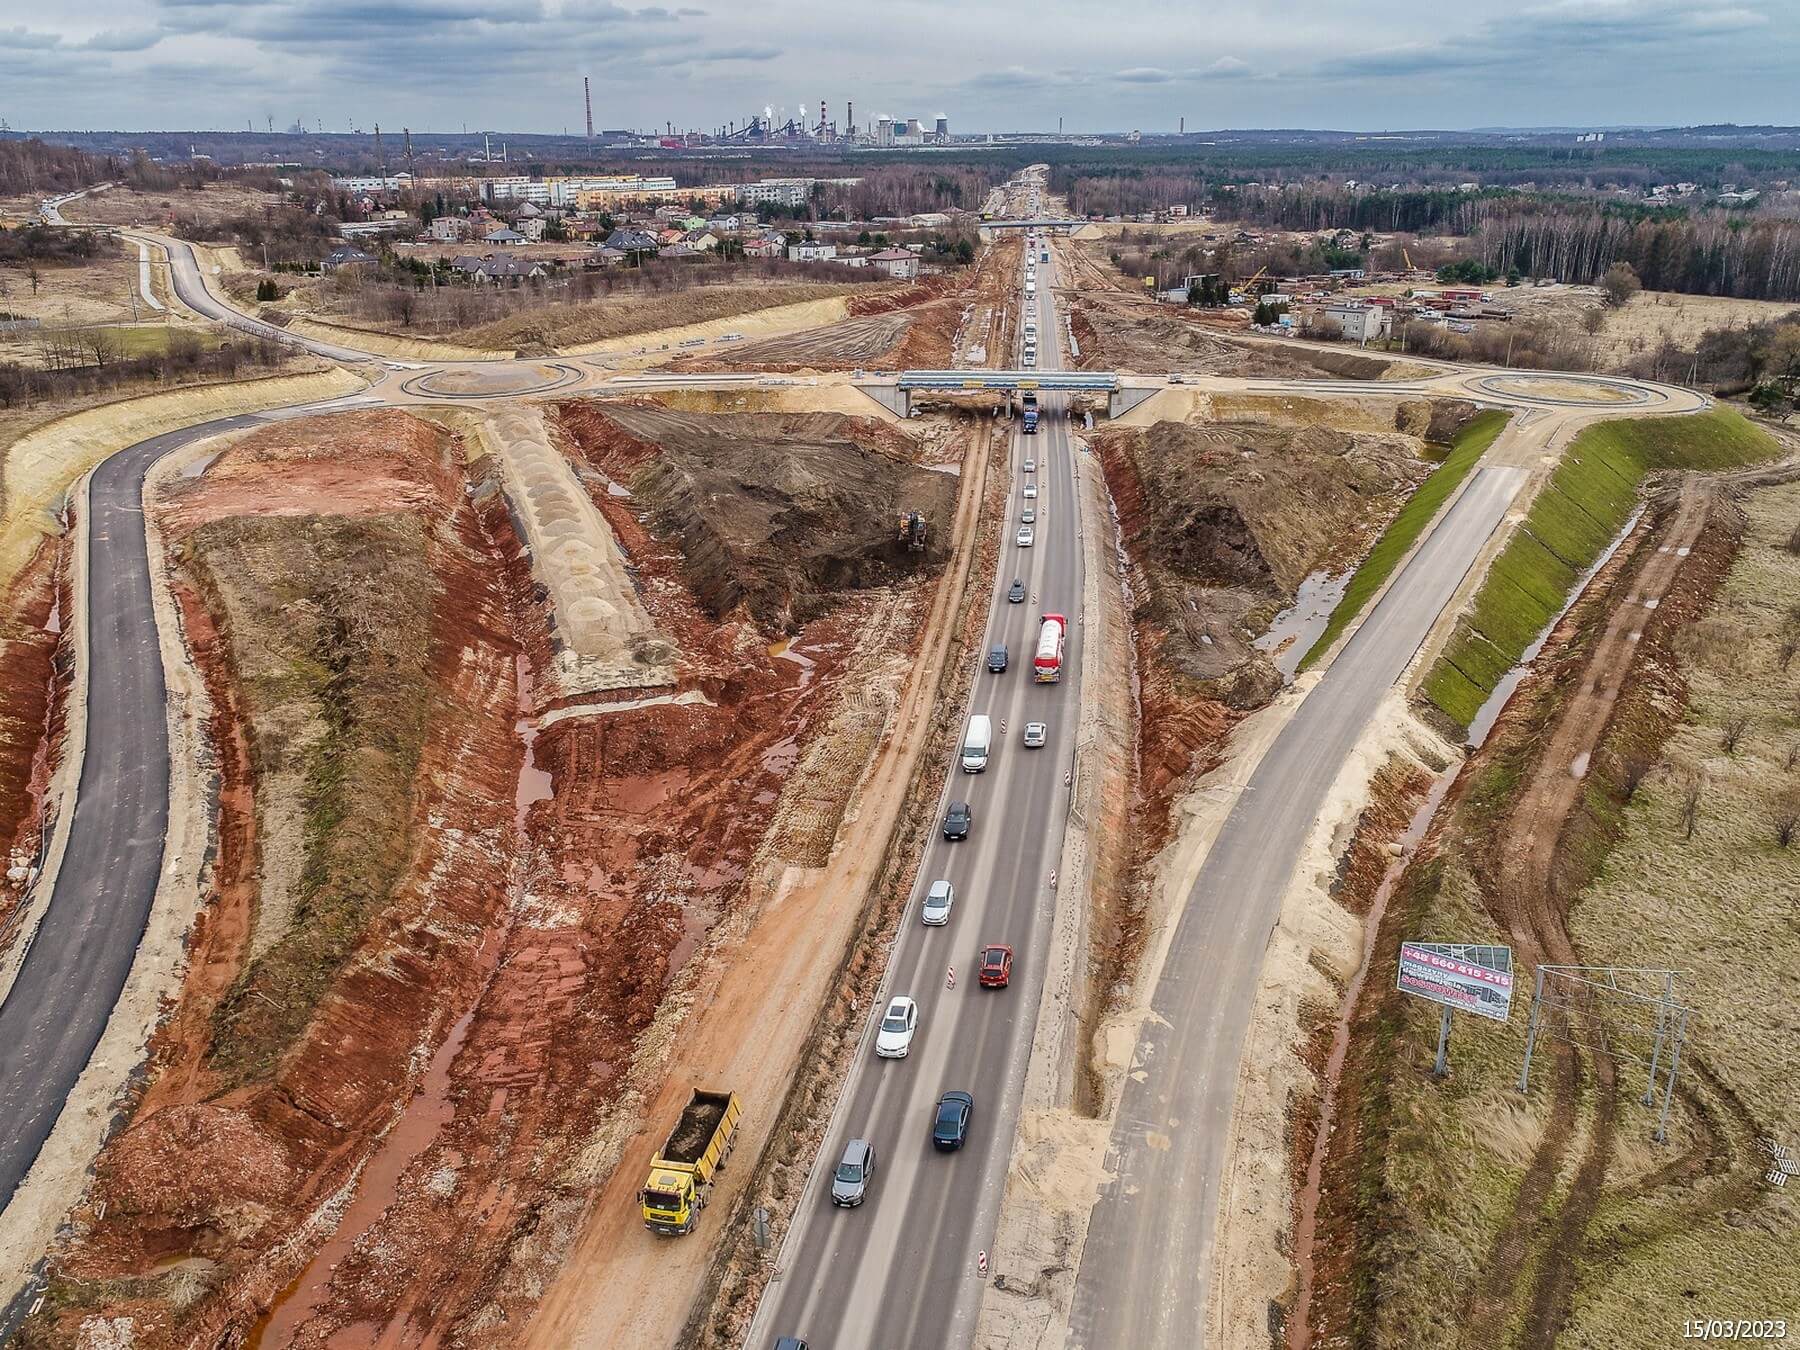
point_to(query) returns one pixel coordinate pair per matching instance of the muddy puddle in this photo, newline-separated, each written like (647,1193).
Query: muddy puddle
(377,1188)
(1293,631)
(786,651)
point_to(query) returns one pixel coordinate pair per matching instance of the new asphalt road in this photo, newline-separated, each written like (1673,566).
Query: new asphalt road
(81,951)
(1144,1270)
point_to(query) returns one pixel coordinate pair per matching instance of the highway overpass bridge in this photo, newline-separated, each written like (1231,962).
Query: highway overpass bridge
(896,394)
(1056,224)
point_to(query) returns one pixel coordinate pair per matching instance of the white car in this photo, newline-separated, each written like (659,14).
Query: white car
(1030,491)
(1030,466)
(1027,536)
(1036,733)
(1028,516)
(939,900)
(898,1024)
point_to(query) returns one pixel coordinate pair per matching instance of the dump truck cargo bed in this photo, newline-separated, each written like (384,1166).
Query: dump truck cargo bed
(692,1134)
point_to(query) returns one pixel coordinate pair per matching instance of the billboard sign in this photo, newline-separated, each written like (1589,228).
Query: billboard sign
(1468,978)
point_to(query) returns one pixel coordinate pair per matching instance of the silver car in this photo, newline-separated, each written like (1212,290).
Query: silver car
(1036,733)
(938,901)
(850,1183)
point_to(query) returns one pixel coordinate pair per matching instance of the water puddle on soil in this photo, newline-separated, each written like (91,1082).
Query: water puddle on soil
(376,1189)
(786,651)
(53,620)
(534,783)
(696,923)
(1293,631)
(1489,712)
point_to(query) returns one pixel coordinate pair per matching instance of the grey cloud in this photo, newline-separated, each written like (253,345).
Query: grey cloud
(1144,75)
(25,39)
(122,40)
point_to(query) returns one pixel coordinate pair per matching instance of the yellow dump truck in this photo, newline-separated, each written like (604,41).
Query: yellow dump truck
(696,1148)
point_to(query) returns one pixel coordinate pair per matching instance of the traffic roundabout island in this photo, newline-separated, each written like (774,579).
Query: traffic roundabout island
(495,379)
(1569,391)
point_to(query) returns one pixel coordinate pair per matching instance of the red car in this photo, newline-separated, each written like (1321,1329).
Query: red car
(996,966)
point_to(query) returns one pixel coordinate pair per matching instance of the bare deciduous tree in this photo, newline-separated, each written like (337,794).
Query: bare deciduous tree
(1784,816)
(1692,787)
(1732,733)
(1629,770)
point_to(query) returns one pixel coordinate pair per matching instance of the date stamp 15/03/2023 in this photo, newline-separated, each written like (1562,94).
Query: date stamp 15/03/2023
(1744,1330)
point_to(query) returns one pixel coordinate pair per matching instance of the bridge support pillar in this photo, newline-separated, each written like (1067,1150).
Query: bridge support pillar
(1122,400)
(890,396)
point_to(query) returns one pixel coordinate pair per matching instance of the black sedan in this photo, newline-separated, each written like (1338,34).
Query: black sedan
(957,821)
(950,1125)
(1017,594)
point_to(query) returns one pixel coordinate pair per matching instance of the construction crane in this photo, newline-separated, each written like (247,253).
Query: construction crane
(912,531)
(1407,258)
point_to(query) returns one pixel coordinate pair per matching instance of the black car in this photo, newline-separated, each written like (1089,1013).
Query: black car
(950,1126)
(957,821)
(997,657)
(1017,594)
(790,1343)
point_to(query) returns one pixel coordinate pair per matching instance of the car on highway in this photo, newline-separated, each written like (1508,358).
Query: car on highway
(1030,491)
(957,820)
(791,1343)
(1026,537)
(1028,516)
(1036,733)
(893,1040)
(939,901)
(996,966)
(1016,592)
(1030,465)
(850,1183)
(997,658)
(950,1121)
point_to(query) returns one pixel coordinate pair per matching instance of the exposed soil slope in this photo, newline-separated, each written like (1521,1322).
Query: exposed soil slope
(338,594)
(774,513)
(1224,517)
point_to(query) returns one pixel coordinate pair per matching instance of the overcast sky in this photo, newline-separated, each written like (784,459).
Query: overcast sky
(516,65)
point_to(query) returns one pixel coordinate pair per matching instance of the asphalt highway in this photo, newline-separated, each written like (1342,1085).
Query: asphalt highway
(1144,1271)
(901,1270)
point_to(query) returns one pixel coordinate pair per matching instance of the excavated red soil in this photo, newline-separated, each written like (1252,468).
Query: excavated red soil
(223,1182)
(30,631)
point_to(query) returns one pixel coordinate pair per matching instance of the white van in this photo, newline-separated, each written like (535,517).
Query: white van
(976,743)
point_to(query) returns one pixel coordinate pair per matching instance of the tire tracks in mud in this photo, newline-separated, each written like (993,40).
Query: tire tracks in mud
(1531,901)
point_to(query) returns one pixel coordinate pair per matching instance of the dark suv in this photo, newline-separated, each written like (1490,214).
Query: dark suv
(997,657)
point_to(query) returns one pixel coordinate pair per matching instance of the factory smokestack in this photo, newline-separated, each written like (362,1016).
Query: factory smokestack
(587,97)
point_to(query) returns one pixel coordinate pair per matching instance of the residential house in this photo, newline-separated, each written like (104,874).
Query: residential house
(611,257)
(899,263)
(504,236)
(503,268)
(704,240)
(450,229)
(347,257)
(532,229)
(633,241)
(771,247)
(725,224)
(681,252)
(811,250)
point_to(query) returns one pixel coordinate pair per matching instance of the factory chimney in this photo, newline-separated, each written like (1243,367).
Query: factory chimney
(587,97)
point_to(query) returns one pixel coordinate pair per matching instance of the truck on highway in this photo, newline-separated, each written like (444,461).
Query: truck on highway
(683,1168)
(1046,666)
(1031,413)
(977,742)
